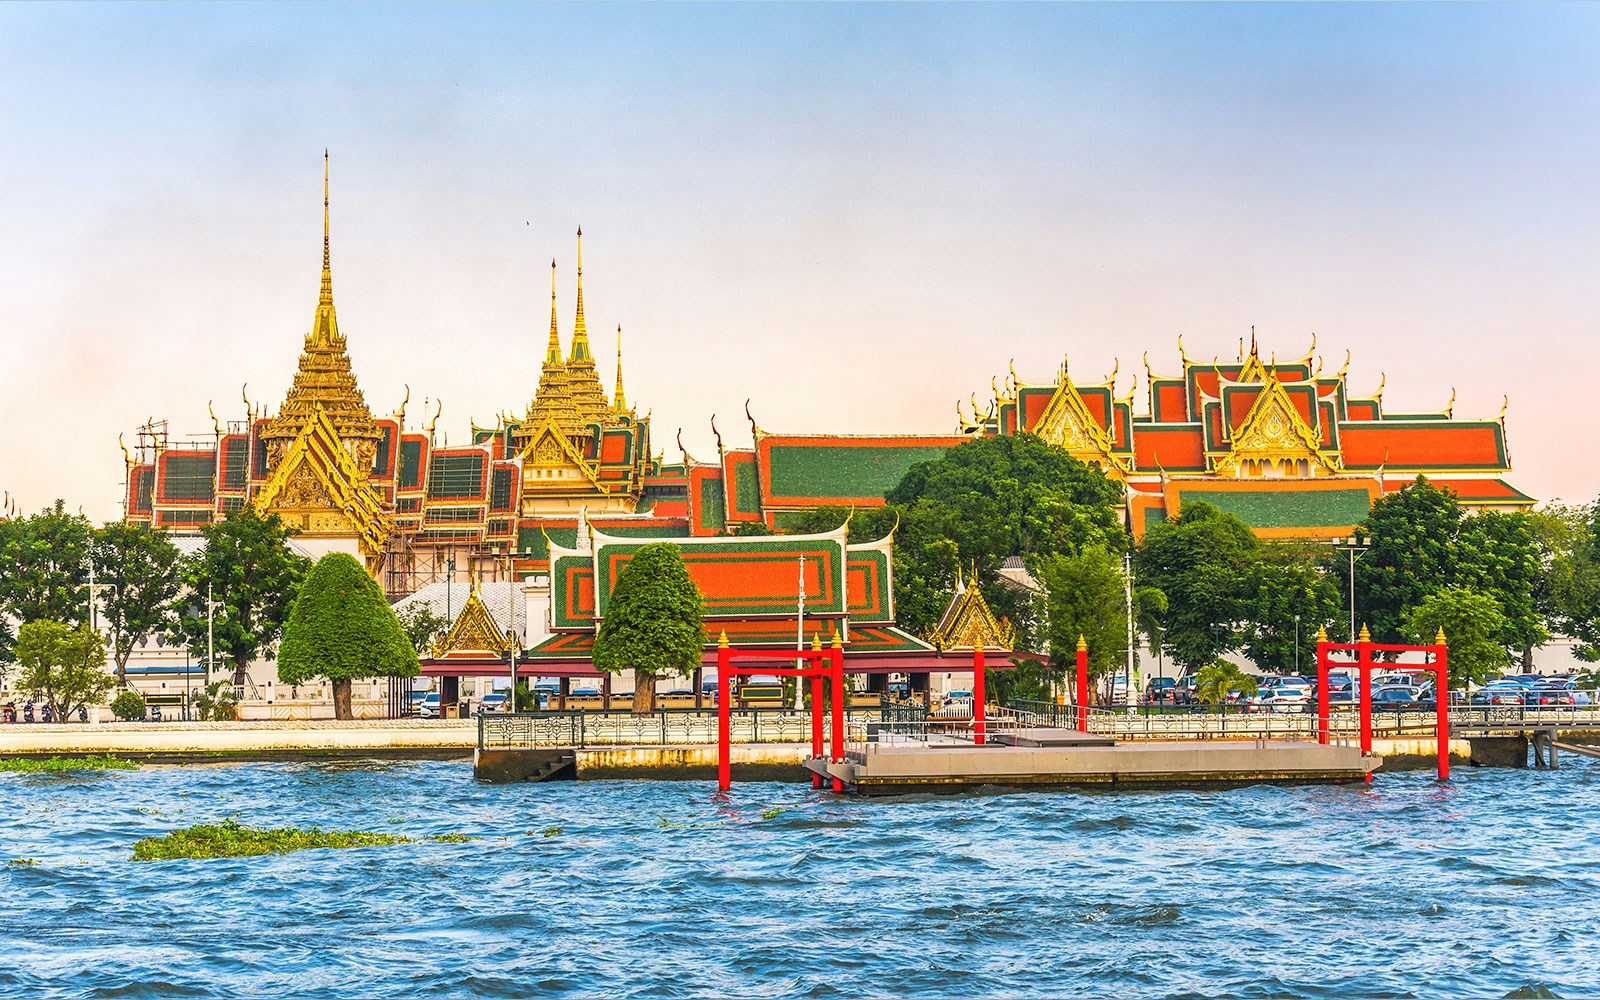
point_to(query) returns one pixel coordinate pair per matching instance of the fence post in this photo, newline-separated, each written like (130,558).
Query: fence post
(724,769)
(1441,701)
(1083,684)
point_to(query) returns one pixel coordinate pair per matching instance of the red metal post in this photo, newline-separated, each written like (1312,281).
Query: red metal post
(977,695)
(1083,685)
(1364,672)
(724,768)
(1322,686)
(1441,665)
(838,706)
(816,723)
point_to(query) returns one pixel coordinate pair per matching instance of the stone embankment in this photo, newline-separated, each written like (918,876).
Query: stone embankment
(208,740)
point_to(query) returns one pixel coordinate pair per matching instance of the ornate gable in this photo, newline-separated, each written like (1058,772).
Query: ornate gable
(1274,437)
(968,623)
(1067,423)
(473,632)
(319,485)
(550,460)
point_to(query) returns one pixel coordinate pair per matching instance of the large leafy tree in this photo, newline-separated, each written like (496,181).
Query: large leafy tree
(1496,554)
(342,628)
(1085,597)
(1473,626)
(982,502)
(1203,561)
(653,624)
(63,665)
(1410,533)
(254,577)
(1285,585)
(44,567)
(136,573)
(1568,590)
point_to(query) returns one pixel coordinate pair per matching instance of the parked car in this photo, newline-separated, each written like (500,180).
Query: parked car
(1283,698)
(1161,691)
(429,709)
(494,701)
(1183,694)
(1395,696)
(1548,695)
(1570,687)
(1499,692)
(414,700)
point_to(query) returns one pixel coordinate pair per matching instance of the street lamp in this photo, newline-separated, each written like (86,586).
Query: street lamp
(1297,644)
(1352,546)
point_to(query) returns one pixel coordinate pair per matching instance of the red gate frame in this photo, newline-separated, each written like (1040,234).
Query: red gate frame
(1364,647)
(828,663)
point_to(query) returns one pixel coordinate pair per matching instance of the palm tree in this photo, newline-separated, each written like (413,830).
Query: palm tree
(1218,679)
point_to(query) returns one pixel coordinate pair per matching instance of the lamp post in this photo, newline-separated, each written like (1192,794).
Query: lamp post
(1297,644)
(1352,546)
(800,639)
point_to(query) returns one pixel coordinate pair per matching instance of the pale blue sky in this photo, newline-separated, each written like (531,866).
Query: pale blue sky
(853,215)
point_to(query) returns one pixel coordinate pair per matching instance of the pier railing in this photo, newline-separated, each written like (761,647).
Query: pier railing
(663,727)
(874,727)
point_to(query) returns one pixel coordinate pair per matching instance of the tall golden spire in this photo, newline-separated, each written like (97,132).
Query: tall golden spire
(324,377)
(588,396)
(619,402)
(553,399)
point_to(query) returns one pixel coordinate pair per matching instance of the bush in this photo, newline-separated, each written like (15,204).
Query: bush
(128,706)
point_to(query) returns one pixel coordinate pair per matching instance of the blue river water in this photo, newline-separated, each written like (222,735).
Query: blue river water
(1482,887)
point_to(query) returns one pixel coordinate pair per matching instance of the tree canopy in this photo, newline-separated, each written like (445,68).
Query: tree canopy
(342,628)
(136,576)
(63,665)
(1472,624)
(653,624)
(254,577)
(45,560)
(1085,596)
(1204,562)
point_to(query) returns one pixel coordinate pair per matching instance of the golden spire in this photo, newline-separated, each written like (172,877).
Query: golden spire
(619,402)
(324,377)
(553,399)
(583,382)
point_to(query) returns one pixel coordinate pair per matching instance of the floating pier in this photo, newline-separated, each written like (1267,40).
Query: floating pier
(1069,757)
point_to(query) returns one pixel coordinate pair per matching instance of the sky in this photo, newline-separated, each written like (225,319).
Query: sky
(851,216)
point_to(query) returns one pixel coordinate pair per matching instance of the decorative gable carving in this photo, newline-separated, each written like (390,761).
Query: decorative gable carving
(317,476)
(1274,438)
(473,631)
(968,623)
(1067,423)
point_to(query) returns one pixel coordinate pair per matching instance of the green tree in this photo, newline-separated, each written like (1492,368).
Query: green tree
(1084,596)
(8,646)
(1567,593)
(1410,533)
(1215,680)
(342,628)
(1496,554)
(136,572)
(1474,627)
(1203,560)
(44,567)
(422,626)
(1284,585)
(62,665)
(254,577)
(653,624)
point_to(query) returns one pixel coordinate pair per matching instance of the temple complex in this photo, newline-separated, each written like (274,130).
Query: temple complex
(550,502)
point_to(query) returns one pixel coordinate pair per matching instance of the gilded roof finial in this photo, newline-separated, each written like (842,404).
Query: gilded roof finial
(1322,633)
(216,425)
(1365,635)
(579,327)
(1346,369)
(620,402)
(1505,404)
(1252,339)
(1438,640)
(400,414)
(1183,354)
(244,394)
(127,457)
(326,297)
(1450,407)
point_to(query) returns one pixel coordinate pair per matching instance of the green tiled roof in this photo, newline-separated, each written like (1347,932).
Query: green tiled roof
(1289,508)
(711,514)
(843,473)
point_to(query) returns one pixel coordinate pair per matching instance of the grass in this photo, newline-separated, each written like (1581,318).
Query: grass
(39,765)
(229,839)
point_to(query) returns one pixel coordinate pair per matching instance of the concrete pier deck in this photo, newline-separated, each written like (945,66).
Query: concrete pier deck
(898,768)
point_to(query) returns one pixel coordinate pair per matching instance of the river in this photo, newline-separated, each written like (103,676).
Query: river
(1483,887)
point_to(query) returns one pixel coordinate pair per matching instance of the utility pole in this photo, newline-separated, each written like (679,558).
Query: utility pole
(211,642)
(1127,591)
(800,639)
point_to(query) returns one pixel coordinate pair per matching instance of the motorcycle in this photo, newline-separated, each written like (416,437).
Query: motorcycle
(49,716)
(27,712)
(83,713)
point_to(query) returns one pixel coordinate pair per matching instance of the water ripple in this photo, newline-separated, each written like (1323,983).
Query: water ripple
(666,889)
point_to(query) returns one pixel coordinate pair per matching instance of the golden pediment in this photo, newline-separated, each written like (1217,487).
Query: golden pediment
(474,631)
(1274,433)
(318,481)
(1068,424)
